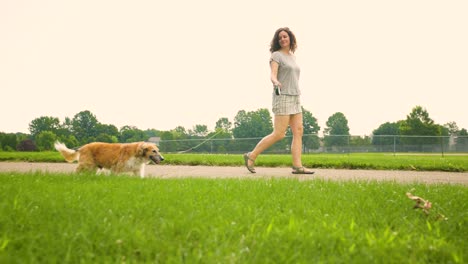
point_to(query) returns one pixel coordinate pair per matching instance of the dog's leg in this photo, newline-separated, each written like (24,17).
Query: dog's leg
(85,168)
(142,171)
(103,171)
(117,168)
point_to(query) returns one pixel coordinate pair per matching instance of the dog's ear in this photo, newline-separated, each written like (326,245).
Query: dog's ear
(145,148)
(142,149)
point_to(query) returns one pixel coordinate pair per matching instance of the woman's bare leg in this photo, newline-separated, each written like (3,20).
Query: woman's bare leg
(297,129)
(281,123)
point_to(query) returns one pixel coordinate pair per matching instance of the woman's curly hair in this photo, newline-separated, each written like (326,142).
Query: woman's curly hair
(275,46)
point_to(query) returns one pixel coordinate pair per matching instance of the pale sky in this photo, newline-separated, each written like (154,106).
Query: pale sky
(163,64)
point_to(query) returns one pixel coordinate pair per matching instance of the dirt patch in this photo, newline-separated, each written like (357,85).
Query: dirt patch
(169,171)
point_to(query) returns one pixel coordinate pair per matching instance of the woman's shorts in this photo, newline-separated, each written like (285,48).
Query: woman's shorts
(286,104)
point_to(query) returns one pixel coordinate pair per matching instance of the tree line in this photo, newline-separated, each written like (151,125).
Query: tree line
(417,130)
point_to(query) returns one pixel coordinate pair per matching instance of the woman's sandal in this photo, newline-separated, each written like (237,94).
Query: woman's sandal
(301,170)
(246,161)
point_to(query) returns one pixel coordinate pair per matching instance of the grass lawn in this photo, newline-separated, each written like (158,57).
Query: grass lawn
(61,218)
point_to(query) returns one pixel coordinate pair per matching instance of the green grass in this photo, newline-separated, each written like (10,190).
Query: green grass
(378,161)
(61,218)
(44,156)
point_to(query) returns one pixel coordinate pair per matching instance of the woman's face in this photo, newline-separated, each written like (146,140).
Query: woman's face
(283,39)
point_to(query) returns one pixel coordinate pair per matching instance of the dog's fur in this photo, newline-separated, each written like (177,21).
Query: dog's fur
(116,157)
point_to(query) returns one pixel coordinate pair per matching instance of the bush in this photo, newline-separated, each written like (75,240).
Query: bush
(26,145)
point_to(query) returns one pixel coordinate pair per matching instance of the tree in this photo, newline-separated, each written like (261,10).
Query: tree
(84,127)
(179,133)
(386,135)
(310,122)
(65,130)
(44,123)
(418,123)
(461,141)
(70,141)
(199,131)
(167,144)
(175,140)
(103,137)
(359,143)
(130,134)
(67,124)
(249,125)
(110,131)
(222,140)
(107,133)
(45,140)
(224,124)
(152,133)
(252,124)
(337,130)
(8,141)
(196,137)
(417,128)
(452,128)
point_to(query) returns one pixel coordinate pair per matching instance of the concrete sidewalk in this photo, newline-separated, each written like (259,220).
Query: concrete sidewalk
(215,172)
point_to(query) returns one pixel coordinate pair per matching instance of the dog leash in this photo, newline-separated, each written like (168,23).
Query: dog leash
(206,140)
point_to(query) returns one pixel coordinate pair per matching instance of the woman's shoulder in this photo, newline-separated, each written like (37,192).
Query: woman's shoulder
(276,53)
(279,54)
(276,56)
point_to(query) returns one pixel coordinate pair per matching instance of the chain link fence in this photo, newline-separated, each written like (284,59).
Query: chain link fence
(326,144)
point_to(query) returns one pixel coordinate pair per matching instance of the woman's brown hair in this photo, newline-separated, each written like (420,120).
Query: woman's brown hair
(275,46)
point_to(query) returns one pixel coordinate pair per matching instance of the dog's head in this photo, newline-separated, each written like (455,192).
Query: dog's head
(151,152)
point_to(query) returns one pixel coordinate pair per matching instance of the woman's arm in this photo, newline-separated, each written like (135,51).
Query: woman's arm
(274,73)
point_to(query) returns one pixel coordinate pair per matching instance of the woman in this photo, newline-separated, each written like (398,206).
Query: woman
(287,108)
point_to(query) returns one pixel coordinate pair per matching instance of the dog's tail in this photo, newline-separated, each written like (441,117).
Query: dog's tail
(70,155)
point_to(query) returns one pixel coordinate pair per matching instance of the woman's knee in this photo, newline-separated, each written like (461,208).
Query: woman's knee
(297,131)
(278,135)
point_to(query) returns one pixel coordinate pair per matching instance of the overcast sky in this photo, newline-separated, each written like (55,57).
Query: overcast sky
(163,64)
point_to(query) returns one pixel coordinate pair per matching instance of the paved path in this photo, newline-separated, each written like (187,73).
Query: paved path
(169,171)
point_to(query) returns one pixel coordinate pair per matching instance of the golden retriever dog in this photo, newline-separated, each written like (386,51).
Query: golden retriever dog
(116,157)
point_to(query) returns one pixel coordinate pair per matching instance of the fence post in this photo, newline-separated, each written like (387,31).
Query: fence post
(442,145)
(349,147)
